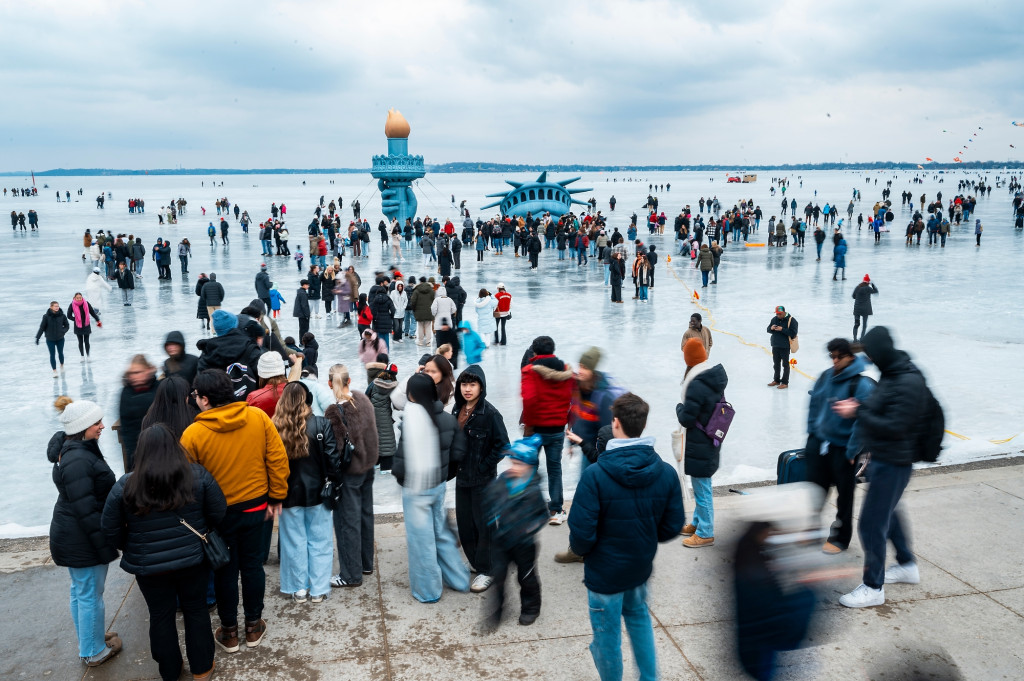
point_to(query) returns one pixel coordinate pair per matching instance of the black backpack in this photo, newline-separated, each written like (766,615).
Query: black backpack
(933,428)
(242,381)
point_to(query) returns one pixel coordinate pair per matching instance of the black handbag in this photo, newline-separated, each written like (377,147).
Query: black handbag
(329,492)
(214,547)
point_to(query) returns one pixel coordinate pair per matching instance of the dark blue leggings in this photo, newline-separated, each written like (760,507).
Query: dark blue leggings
(55,348)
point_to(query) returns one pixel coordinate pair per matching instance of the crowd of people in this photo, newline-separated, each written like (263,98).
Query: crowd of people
(244,433)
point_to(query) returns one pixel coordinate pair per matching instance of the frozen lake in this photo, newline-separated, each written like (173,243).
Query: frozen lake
(954,310)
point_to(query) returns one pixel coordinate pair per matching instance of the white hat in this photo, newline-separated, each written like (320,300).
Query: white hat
(96,270)
(500,285)
(271,364)
(79,416)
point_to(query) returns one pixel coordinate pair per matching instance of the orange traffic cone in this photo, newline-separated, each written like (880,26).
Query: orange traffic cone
(793,362)
(696,296)
(668,258)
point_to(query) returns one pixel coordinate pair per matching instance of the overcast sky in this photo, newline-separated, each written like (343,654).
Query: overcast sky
(224,84)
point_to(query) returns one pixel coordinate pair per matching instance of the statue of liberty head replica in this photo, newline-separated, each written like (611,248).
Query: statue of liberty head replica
(396,171)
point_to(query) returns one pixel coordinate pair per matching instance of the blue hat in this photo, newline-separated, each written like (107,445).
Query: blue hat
(223,321)
(525,450)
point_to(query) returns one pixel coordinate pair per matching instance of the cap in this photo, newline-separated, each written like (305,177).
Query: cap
(500,285)
(96,270)
(780,309)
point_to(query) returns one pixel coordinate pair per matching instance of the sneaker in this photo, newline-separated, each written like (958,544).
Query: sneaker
(112,648)
(689,529)
(863,597)
(370,572)
(300,596)
(528,618)
(902,574)
(696,542)
(227,638)
(55,373)
(831,549)
(481,583)
(557,518)
(207,675)
(568,556)
(773,384)
(254,632)
(338,582)
(318,599)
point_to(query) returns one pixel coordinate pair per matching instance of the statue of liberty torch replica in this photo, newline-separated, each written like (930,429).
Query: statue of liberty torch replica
(396,171)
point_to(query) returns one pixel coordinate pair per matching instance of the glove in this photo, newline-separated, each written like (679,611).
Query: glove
(99,324)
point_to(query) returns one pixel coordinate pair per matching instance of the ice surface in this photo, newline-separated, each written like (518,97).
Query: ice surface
(956,310)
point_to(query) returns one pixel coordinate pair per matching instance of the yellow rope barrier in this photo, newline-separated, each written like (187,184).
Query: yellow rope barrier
(711,325)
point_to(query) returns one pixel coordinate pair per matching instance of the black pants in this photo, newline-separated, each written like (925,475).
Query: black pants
(457,257)
(83,347)
(473,531)
(616,292)
(353,526)
(397,331)
(856,324)
(533,260)
(328,302)
(525,558)
(780,360)
(499,332)
(828,470)
(243,533)
(479,256)
(266,305)
(163,593)
(303,327)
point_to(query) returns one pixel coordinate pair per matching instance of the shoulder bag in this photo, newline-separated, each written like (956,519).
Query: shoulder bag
(794,342)
(214,547)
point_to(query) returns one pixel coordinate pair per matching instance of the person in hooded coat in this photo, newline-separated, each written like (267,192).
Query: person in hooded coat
(862,305)
(421,303)
(486,441)
(179,362)
(383,309)
(839,255)
(458,296)
(202,313)
(472,344)
(379,391)
(485,306)
(703,386)
(443,307)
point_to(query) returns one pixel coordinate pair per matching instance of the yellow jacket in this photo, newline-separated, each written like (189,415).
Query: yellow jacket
(241,448)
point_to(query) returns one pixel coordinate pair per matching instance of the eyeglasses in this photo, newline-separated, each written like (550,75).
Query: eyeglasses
(194,394)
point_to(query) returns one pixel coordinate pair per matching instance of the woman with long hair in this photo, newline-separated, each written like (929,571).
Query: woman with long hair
(353,419)
(440,371)
(304,530)
(137,396)
(83,480)
(79,312)
(431,440)
(171,406)
(145,516)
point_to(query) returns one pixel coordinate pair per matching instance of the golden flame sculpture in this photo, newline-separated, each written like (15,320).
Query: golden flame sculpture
(396,126)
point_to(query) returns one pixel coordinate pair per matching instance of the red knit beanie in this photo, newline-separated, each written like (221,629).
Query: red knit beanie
(694,352)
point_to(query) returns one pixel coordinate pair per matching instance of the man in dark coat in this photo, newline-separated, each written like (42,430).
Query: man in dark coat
(263,286)
(458,296)
(383,309)
(889,422)
(862,305)
(486,442)
(179,362)
(212,294)
(625,504)
(300,308)
(783,328)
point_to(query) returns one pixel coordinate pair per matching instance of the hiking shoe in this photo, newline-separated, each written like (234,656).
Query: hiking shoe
(689,529)
(902,574)
(696,542)
(831,549)
(109,636)
(528,618)
(300,596)
(557,518)
(481,583)
(318,599)
(207,675)
(568,556)
(112,648)
(227,638)
(863,597)
(254,632)
(773,384)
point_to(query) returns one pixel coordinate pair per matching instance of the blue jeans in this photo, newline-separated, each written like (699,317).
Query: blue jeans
(410,323)
(561,254)
(704,512)
(704,277)
(87,609)
(553,443)
(305,534)
(880,520)
(434,558)
(820,244)
(267,250)
(607,273)
(572,253)
(606,614)
(138,265)
(582,257)
(643,293)
(387,339)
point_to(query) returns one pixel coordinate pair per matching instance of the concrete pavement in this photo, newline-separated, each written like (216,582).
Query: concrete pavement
(967,525)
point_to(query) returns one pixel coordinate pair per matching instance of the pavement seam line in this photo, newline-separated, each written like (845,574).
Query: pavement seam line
(999,489)
(383,615)
(677,646)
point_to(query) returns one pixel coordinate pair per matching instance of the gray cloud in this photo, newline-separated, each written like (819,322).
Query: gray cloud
(263,84)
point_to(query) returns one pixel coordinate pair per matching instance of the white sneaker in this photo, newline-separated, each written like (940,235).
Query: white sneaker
(557,518)
(481,583)
(902,574)
(863,597)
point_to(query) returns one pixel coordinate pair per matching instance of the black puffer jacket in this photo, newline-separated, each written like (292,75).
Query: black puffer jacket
(486,436)
(133,407)
(184,365)
(889,421)
(379,393)
(862,298)
(701,457)
(220,352)
(83,480)
(212,293)
(458,295)
(53,326)
(306,476)
(383,309)
(158,541)
(450,437)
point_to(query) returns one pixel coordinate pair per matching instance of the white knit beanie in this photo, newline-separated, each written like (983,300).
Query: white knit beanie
(79,416)
(271,364)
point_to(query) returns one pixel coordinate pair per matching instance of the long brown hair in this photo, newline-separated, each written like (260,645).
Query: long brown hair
(290,418)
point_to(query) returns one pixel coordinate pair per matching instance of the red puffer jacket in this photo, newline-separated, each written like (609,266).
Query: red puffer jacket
(546,392)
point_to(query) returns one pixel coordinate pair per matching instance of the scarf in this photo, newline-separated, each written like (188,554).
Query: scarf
(81,310)
(422,449)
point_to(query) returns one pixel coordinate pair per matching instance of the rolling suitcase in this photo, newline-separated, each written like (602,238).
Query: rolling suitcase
(792,467)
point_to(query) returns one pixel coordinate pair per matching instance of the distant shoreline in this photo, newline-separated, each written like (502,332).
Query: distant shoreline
(469,167)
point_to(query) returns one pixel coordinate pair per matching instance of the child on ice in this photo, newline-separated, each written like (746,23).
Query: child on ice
(275,301)
(516,512)
(472,345)
(298,257)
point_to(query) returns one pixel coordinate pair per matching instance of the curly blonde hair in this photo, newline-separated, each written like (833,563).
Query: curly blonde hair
(290,418)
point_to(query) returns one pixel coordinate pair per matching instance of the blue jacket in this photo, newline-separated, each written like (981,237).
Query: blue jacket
(840,254)
(824,423)
(624,505)
(276,299)
(472,344)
